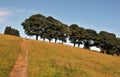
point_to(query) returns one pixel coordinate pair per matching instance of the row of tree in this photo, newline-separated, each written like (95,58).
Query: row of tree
(11,31)
(51,28)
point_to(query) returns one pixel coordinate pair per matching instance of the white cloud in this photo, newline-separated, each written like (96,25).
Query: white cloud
(4,13)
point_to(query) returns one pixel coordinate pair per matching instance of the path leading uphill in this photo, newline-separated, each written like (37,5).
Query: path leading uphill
(21,66)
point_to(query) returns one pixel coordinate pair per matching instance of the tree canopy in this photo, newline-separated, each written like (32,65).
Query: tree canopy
(11,31)
(35,25)
(51,28)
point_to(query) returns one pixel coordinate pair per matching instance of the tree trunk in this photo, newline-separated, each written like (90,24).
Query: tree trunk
(105,51)
(87,47)
(36,37)
(49,40)
(102,50)
(62,42)
(78,45)
(74,44)
(43,39)
(55,40)
(118,54)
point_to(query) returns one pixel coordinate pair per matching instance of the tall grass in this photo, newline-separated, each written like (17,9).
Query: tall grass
(56,60)
(9,49)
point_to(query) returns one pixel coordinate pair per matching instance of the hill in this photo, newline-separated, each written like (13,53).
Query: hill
(56,60)
(9,50)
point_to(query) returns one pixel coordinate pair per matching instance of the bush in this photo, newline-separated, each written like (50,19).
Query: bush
(11,31)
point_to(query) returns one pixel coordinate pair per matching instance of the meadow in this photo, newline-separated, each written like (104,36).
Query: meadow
(9,49)
(57,60)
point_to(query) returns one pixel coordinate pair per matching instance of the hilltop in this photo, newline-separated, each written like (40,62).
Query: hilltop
(56,60)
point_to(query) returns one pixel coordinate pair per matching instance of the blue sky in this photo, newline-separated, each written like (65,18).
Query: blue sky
(94,14)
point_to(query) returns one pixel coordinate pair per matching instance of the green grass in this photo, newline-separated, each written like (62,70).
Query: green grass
(56,60)
(9,49)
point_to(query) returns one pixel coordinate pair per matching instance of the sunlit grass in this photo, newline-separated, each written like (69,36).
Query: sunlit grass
(9,49)
(56,60)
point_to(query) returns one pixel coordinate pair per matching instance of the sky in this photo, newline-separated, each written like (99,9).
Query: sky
(99,15)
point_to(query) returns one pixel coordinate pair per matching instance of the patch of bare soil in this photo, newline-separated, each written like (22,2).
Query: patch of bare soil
(21,66)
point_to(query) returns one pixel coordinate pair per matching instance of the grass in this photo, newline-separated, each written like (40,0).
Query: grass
(56,60)
(9,49)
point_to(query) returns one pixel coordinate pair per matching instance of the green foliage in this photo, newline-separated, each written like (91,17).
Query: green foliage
(54,26)
(74,29)
(35,25)
(45,27)
(64,32)
(51,28)
(91,36)
(11,31)
(117,47)
(107,42)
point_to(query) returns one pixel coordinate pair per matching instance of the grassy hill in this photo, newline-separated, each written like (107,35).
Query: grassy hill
(9,49)
(57,60)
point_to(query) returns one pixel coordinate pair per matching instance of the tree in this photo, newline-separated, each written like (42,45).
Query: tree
(117,47)
(7,30)
(64,32)
(11,31)
(74,28)
(54,28)
(90,37)
(107,42)
(51,28)
(35,25)
(81,36)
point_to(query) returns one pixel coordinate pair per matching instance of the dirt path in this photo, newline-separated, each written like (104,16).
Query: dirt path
(21,66)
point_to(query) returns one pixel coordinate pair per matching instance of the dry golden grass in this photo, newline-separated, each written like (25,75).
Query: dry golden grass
(56,60)
(9,49)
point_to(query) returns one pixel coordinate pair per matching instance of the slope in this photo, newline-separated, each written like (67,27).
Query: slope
(9,50)
(56,60)
(20,68)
